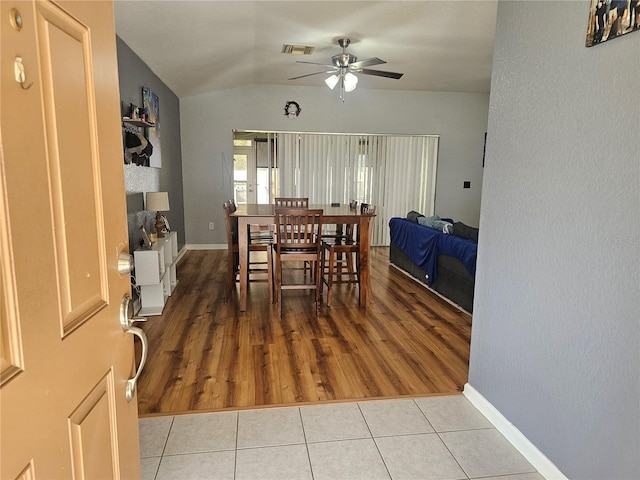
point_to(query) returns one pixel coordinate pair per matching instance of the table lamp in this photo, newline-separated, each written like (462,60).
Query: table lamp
(158,202)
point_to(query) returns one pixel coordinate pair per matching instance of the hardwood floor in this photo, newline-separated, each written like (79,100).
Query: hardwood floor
(207,356)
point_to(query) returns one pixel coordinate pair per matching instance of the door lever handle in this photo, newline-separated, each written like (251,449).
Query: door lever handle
(126,322)
(130,389)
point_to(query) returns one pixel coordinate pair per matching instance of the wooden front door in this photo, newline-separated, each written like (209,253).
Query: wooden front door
(65,358)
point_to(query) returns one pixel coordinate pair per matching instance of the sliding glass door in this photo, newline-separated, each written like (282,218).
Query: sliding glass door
(397,173)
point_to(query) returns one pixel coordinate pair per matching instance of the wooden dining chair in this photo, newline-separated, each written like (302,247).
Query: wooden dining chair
(338,252)
(261,239)
(294,202)
(298,234)
(291,202)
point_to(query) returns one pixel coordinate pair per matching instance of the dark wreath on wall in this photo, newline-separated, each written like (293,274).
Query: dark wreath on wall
(292,109)
(609,19)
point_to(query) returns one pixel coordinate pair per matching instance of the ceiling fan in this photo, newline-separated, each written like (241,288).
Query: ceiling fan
(343,68)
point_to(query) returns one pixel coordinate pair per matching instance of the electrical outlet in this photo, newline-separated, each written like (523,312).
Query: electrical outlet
(211,225)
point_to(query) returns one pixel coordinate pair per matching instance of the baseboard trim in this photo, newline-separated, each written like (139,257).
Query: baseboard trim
(545,467)
(206,246)
(181,253)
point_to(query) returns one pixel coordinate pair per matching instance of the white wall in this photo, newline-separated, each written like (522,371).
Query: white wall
(556,328)
(207,122)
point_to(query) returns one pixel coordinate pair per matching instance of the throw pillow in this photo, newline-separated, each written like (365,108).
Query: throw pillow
(465,231)
(413,216)
(435,222)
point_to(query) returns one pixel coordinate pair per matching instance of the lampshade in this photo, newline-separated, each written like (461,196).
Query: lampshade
(350,82)
(157,201)
(332,81)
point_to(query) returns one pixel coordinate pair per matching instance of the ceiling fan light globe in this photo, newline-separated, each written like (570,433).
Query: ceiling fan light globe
(332,81)
(350,82)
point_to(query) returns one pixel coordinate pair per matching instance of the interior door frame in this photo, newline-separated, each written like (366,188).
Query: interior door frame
(250,182)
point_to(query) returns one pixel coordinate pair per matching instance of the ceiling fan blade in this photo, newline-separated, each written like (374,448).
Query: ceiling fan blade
(380,73)
(315,63)
(367,62)
(316,73)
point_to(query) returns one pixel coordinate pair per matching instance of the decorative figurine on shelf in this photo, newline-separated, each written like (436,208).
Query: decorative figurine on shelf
(165,224)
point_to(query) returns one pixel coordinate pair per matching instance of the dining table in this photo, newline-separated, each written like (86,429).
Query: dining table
(264,214)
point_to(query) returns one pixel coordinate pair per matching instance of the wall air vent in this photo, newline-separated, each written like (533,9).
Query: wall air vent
(297,49)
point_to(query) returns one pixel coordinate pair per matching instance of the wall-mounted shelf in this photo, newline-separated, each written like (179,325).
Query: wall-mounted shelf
(137,123)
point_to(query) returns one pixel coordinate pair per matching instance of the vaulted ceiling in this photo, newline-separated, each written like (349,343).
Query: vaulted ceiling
(201,46)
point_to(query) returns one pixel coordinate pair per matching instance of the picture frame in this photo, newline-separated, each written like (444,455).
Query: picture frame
(609,19)
(484,149)
(145,237)
(151,108)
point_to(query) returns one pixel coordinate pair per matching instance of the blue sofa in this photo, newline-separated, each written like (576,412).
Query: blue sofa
(444,262)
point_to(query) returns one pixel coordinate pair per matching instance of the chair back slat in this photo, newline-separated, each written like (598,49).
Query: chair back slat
(292,202)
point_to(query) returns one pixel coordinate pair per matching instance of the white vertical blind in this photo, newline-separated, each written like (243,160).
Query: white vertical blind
(409,165)
(395,173)
(288,165)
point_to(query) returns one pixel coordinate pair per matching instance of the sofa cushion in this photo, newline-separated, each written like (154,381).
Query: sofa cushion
(465,231)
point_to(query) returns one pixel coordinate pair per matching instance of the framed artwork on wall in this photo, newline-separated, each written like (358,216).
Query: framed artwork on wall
(609,19)
(137,148)
(151,108)
(484,148)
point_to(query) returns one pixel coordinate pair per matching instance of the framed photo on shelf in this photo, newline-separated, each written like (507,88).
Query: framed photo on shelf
(145,237)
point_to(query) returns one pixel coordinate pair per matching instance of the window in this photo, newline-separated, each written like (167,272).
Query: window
(240,178)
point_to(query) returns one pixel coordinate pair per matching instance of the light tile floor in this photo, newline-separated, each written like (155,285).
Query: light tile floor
(443,438)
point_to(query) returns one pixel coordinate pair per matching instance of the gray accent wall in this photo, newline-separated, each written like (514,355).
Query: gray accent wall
(134,74)
(208,121)
(556,327)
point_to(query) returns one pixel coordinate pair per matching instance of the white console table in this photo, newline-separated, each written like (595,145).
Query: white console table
(155,273)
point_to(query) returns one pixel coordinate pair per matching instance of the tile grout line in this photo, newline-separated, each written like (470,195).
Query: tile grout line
(235,450)
(441,440)
(166,440)
(374,441)
(454,457)
(164,447)
(306,444)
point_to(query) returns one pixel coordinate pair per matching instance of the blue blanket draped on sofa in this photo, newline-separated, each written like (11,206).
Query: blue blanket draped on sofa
(423,245)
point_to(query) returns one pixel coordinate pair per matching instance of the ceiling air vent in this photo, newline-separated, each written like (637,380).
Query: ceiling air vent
(297,49)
